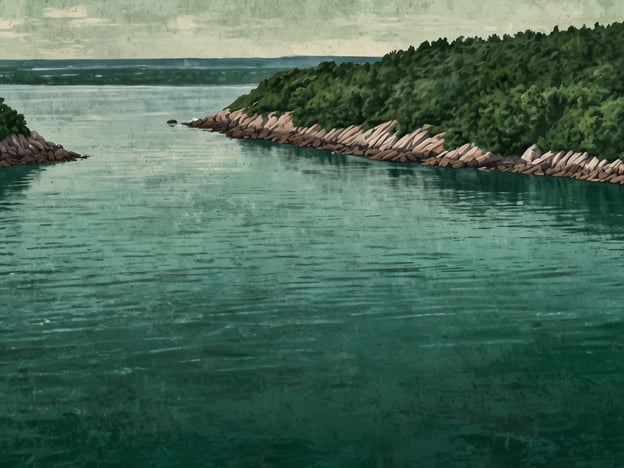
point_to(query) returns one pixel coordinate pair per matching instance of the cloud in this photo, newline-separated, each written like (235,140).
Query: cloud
(182,23)
(7,24)
(11,35)
(158,28)
(88,22)
(72,12)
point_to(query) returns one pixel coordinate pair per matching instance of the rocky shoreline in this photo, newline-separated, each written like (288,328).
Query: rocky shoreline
(33,149)
(380,143)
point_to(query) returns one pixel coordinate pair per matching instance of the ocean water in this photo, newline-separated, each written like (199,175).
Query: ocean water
(185,299)
(168,72)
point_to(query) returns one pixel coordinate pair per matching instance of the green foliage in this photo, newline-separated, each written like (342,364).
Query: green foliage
(11,123)
(563,90)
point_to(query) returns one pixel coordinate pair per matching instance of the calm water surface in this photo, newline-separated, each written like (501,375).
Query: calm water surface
(184,299)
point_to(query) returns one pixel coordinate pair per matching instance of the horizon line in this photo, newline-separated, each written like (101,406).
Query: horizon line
(196,58)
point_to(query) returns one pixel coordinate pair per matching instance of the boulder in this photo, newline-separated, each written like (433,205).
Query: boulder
(613,167)
(404,140)
(23,141)
(381,131)
(390,155)
(411,156)
(462,150)
(419,136)
(488,159)
(474,152)
(545,159)
(531,169)
(34,135)
(331,134)
(430,162)
(388,142)
(14,142)
(378,138)
(37,144)
(444,162)
(257,123)
(563,161)
(351,134)
(591,165)
(602,164)
(468,156)
(557,157)
(272,122)
(532,153)
(60,154)
(571,161)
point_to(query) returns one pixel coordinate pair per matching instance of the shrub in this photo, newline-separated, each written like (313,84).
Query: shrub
(11,122)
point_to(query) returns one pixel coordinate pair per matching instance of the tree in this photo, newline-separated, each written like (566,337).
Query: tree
(11,122)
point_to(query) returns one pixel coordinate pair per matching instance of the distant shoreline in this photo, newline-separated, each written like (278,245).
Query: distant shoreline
(156,72)
(381,143)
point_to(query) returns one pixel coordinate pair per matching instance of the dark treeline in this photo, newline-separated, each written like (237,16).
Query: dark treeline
(563,91)
(11,122)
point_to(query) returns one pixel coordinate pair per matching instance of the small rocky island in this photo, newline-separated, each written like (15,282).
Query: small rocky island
(533,103)
(20,145)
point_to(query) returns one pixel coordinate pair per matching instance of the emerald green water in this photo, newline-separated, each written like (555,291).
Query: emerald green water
(185,299)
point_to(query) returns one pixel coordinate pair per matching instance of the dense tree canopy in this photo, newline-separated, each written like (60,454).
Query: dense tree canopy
(563,91)
(11,122)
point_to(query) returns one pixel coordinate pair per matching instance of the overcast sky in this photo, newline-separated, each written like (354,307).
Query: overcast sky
(269,28)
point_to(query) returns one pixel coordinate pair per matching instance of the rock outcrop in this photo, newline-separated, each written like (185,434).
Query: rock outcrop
(380,143)
(33,149)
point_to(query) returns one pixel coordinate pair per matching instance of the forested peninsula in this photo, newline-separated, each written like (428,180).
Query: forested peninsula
(536,103)
(19,145)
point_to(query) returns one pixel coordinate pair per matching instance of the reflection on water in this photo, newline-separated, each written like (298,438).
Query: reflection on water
(186,299)
(15,179)
(597,204)
(589,206)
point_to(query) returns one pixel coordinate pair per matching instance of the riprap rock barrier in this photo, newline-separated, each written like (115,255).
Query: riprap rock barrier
(381,143)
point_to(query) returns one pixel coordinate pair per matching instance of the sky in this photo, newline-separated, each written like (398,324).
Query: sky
(54,29)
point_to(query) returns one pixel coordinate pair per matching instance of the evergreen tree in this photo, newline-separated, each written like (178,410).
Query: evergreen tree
(11,122)
(563,90)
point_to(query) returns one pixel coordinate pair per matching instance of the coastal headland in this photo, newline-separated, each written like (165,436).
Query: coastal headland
(19,145)
(419,146)
(33,149)
(533,103)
